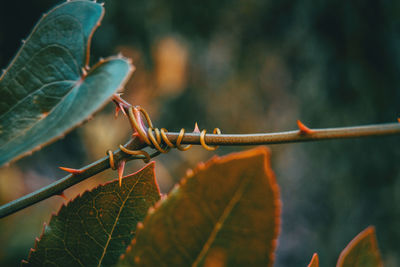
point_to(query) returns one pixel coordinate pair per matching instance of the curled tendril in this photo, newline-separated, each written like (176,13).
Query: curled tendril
(203,142)
(155,138)
(158,138)
(146,155)
(112,162)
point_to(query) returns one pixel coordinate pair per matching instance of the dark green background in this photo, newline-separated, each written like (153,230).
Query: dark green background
(257,66)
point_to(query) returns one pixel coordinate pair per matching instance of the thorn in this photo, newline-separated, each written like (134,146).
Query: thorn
(303,129)
(117,110)
(70,170)
(120,103)
(63,196)
(398,119)
(196,128)
(121,167)
(122,109)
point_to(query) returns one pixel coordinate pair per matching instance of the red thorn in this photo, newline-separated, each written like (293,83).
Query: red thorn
(398,119)
(117,109)
(303,129)
(121,107)
(196,128)
(120,103)
(121,167)
(63,196)
(70,170)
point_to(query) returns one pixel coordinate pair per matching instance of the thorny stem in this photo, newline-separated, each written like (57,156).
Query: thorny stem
(194,138)
(59,186)
(289,136)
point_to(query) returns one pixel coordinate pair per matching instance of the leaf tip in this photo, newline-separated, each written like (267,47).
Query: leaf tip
(363,249)
(314,261)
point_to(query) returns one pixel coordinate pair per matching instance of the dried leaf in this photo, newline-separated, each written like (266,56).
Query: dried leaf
(95,228)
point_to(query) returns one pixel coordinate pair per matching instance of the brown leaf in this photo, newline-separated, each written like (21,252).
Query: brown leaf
(226,212)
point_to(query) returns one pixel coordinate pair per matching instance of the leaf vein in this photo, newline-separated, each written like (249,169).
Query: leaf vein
(225,214)
(116,220)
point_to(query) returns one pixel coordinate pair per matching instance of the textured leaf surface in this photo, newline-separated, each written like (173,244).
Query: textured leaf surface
(225,213)
(362,251)
(45,90)
(314,261)
(94,229)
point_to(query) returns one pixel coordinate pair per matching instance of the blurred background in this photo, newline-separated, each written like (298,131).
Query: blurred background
(243,66)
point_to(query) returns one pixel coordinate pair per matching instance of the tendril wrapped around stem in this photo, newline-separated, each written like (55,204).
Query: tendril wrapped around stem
(154,137)
(157,138)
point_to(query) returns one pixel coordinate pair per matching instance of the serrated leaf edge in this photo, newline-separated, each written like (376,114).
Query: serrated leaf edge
(262,150)
(42,18)
(64,205)
(82,77)
(369,232)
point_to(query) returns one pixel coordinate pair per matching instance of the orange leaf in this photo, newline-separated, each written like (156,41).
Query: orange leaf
(314,261)
(226,212)
(362,251)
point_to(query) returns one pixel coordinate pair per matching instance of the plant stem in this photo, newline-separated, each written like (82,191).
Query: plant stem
(57,187)
(194,138)
(289,136)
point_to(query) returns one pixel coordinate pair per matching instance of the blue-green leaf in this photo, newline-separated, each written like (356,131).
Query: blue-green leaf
(48,87)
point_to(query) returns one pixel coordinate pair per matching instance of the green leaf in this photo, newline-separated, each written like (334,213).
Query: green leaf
(95,228)
(225,213)
(46,91)
(362,251)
